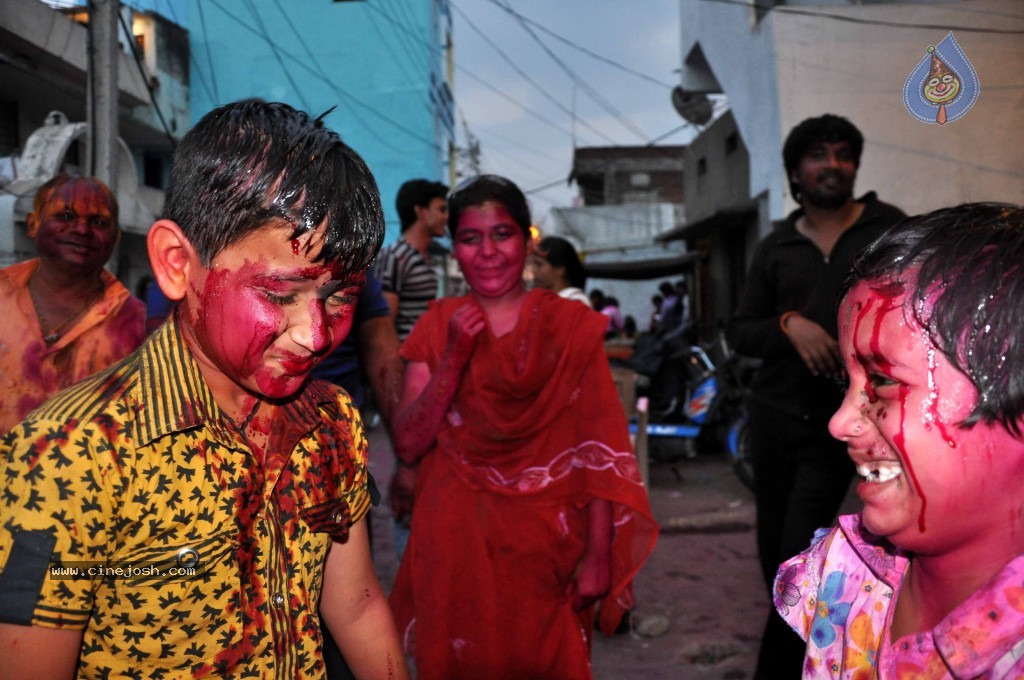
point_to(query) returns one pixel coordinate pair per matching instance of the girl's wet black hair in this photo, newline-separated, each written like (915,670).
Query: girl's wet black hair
(560,253)
(477,190)
(250,163)
(969,262)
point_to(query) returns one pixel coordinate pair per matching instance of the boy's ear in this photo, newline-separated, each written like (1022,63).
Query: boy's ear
(172,258)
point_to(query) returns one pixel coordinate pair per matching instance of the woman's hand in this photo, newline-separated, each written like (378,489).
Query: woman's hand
(592,581)
(466,324)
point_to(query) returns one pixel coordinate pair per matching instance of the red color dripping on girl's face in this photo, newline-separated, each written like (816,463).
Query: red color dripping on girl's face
(263,315)
(75,229)
(939,499)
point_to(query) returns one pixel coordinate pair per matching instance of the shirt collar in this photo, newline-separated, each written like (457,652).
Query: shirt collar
(986,626)
(177,397)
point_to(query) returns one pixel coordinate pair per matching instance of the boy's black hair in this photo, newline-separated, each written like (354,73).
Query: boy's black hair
(826,129)
(968,261)
(560,253)
(477,190)
(416,192)
(252,162)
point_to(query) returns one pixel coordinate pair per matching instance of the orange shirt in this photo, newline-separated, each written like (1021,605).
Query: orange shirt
(31,372)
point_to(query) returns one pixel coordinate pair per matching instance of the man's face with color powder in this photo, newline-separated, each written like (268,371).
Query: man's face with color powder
(927,484)
(265,314)
(75,228)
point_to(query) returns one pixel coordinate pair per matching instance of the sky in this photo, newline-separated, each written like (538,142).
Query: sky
(527,108)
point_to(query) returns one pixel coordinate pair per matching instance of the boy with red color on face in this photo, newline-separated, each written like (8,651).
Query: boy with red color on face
(928,580)
(204,496)
(65,316)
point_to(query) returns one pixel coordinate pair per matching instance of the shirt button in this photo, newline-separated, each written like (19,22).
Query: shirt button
(278,600)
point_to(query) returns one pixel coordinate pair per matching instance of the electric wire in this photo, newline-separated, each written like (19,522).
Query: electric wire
(325,78)
(145,79)
(527,78)
(785,9)
(580,48)
(594,94)
(273,49)
(209,57)
(334,86)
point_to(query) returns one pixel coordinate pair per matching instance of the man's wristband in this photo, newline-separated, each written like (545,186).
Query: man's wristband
(784,320)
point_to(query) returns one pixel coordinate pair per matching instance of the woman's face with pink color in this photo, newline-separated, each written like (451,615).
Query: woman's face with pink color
(491,250)
(927,484)
(265,314)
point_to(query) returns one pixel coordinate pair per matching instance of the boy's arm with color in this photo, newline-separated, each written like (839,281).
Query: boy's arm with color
(31,652)
(357,613)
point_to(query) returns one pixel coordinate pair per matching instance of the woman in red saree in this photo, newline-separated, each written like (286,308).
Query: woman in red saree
(530,513)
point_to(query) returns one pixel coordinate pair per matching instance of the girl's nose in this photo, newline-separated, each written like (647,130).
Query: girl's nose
(848,422)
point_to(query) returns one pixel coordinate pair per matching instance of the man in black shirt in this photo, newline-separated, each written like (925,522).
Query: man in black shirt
(787,317)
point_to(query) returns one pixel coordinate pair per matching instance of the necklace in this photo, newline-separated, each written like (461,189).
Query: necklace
(56,331)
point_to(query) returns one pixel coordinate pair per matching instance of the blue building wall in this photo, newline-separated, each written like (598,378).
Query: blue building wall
(381,64)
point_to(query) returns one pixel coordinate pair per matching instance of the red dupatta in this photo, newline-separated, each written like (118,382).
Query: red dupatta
(538,414)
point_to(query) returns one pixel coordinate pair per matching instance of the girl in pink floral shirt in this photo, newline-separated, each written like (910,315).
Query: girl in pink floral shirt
(928,581)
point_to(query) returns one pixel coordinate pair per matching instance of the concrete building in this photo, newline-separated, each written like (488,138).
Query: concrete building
(779,63)
(383,68)
(630,196)
(721,221)
(805,58)
(43,128)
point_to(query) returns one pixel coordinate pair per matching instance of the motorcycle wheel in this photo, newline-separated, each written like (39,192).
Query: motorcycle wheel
(739,452)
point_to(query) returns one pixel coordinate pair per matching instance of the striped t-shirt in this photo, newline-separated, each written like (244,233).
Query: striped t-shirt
(402,270)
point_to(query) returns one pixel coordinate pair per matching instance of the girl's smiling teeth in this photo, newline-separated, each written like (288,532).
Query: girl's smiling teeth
(880,471)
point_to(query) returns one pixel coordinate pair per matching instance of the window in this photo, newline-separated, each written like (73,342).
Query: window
(732,142)
(702,166)
(639,179)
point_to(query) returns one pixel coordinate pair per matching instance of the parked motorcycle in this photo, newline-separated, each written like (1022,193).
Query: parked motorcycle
(698,396)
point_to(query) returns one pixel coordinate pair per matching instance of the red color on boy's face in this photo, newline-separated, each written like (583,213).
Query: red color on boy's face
(490,249)
(75,229)
(264,314)
(928,485)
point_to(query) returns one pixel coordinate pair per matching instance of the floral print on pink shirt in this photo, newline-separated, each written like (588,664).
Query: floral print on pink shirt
(839,594)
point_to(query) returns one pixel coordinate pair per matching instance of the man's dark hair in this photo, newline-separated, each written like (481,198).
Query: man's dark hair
(560,253)
(826,129)
(250,163)
(483,188)
(416,192)
(45,192)
(962,271)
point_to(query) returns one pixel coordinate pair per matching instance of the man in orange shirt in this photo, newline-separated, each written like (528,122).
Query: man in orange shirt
(65,316)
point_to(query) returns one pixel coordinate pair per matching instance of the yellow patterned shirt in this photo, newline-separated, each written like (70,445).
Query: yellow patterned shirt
(131,508)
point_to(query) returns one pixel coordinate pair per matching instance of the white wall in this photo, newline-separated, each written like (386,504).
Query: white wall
(859,71)
(792,66)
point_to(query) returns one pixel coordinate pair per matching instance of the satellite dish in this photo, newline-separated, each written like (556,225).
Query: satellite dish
(694,107)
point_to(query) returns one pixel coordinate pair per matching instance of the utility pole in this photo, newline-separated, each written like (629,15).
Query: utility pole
(102,91)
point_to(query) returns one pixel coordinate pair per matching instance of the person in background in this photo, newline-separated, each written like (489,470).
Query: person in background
(406,277)
(925,582)
(65,316)
(530,509)
(786,317)
(654,325)
(369,353)
(209,448)
(556,266)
